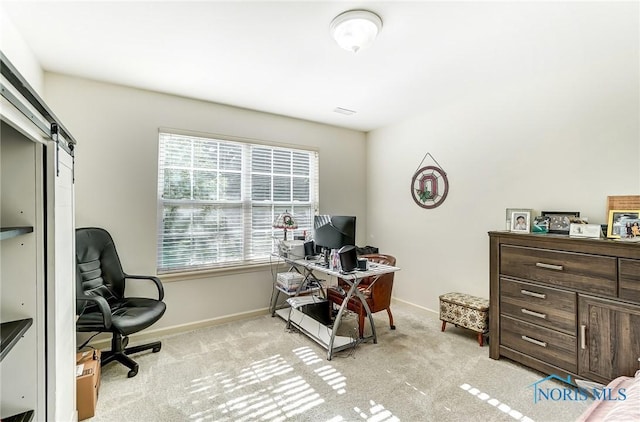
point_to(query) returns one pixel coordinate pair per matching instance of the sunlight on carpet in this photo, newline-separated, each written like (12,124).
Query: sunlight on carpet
(257,370)
(496,403)
(277,392)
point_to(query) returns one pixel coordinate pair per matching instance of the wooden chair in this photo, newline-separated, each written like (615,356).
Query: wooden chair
(377,292)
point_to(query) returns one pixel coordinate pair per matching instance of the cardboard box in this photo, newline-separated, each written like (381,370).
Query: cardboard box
(87,383)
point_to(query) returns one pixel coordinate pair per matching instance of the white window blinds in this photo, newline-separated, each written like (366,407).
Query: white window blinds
(217,200)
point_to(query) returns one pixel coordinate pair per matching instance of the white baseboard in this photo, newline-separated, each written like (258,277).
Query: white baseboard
(394,299)
(103,342)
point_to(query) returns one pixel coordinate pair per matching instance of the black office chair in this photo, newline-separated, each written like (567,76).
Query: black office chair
(100,302)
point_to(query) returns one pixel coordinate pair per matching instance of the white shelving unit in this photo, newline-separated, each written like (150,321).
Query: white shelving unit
(37,263)
(22,275)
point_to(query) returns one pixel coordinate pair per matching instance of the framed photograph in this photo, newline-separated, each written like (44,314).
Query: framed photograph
(585,230)
(623,202)
(509,214)
(623,224)
(520,221)
(560,221)
(540,224)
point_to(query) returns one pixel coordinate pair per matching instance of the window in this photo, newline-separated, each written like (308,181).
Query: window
(217,200)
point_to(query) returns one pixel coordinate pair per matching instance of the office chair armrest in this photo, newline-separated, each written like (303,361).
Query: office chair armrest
(156,280)
(102,305)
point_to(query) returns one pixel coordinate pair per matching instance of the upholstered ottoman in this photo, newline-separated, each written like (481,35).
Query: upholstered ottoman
(465,311)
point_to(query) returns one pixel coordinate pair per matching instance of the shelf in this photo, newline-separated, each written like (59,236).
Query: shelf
(9,232)
(315,330)
(295,292)
(10,333)
(21,417)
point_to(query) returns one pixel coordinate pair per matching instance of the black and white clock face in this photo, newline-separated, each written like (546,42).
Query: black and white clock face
(429,187)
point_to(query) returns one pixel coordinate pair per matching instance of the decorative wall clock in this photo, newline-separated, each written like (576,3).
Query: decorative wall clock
(429,185)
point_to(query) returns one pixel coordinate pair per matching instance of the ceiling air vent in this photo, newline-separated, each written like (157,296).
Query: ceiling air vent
(344,111)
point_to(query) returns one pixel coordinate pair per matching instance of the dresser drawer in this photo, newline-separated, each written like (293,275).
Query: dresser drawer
(545,306)
(542,343)
(629,287)
(584,272)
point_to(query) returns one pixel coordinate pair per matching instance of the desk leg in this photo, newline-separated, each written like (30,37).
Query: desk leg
(288,326)
(336,322)
(275,294)
(366,308)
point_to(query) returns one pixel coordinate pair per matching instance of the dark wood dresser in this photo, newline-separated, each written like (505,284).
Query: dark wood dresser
(565,305)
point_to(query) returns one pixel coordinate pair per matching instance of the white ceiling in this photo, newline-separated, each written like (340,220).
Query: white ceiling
(278,57)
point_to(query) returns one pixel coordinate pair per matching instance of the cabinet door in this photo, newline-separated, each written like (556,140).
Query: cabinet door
(609,335)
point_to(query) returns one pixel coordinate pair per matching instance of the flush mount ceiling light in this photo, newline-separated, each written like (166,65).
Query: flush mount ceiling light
(355,29)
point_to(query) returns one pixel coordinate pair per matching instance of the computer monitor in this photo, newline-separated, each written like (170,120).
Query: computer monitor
(334,231)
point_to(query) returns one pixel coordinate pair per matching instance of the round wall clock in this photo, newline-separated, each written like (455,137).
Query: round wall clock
(429,187)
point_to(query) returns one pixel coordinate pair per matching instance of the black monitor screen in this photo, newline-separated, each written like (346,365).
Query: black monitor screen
(335,231)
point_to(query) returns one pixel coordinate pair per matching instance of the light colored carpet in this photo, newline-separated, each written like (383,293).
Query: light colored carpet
(255,370)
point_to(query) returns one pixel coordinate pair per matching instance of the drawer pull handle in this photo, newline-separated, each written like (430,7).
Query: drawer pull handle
(534,294)
(583,337)
(535,314)
(549,266)
(534,341)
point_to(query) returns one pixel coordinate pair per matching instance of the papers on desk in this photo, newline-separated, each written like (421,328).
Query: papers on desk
(289,281)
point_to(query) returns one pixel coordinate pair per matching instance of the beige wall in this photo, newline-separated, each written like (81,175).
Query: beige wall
(116,178)
(562,136)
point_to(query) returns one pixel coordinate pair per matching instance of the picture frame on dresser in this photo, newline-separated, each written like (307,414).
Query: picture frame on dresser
(623,202)
(509,214)
(520,221)
(585,230)
(623,224)
(560,221)
(540,224)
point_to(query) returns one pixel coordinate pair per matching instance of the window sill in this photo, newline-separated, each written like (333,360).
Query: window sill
(215,272)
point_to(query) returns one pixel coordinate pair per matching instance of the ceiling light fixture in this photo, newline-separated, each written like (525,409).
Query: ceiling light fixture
(354,30)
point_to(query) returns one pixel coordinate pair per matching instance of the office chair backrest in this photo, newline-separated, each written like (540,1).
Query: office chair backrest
(98,268)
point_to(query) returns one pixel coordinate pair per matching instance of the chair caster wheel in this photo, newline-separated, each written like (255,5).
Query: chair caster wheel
(132,373)
(393,327)
(156,349)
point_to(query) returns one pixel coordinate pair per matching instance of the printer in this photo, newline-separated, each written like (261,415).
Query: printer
(292,249)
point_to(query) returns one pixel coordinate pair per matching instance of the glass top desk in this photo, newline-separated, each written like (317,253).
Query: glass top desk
(320,333)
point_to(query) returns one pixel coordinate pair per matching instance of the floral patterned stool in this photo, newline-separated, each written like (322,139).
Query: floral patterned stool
(465,311)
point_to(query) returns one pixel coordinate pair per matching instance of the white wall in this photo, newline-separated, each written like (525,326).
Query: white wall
(561,134)
(18,52)
(116,178)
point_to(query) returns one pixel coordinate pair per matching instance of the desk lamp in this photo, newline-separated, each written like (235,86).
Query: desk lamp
(286,222)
